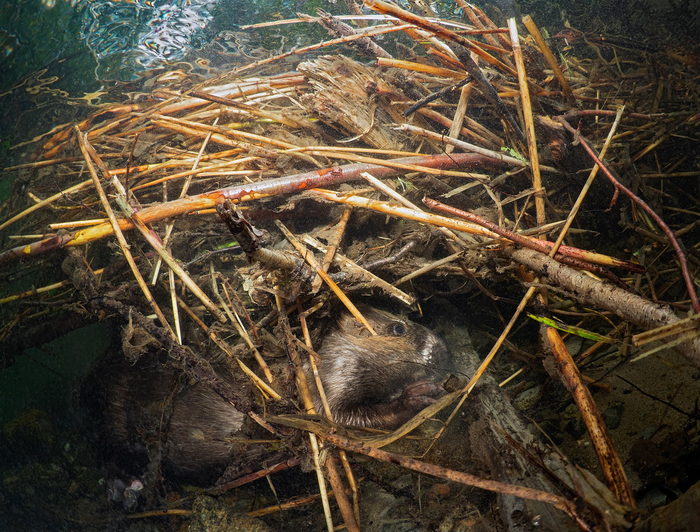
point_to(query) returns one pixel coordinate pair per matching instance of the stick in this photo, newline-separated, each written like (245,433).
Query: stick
(120,236)
(331,284)
(608,458)
(247,192)
(628,306)
(529,123)
(682,259)
(551,60)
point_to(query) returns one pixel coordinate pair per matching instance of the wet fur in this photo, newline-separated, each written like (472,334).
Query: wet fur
(383,380)
(140,405)
(378,381)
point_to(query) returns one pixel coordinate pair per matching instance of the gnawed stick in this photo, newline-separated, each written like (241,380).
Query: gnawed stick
(630,307)
(608,458)
(542,246)
(461,225)
(246,192)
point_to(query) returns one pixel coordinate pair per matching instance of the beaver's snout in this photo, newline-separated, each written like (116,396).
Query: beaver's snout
(382,380)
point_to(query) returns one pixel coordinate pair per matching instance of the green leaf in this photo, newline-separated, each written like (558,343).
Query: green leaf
(583,333)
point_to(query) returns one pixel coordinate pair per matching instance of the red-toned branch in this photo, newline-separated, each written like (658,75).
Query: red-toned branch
(572,256)
(639,201)
(455,476)
(250,191)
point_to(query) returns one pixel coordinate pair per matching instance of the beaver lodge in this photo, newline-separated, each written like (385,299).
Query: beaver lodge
(539,194)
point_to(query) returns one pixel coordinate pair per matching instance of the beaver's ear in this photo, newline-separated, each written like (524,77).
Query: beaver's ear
(349,325)
(363,332)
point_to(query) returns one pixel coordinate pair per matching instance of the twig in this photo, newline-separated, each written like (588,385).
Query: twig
(221,488)
(690,286)
(602,442)
(239,326)
(183,192)
(568,255)
(458,118)
(247,192)
(216,338)
(420,67)
(461,44)
(529,123)
(428,267)
(687,324)
(551,60)
(333,244)
(338,28)
(376,183)
(307,345)
(47,201)
(342,40)
(369,266)
(248,108)
(470,147)
(293,354)
(153,240)
(120,236)
(331,284)
(357,270)
(404,212)
(630,307)
(436,29)
(451,475)
(586,187)
(173,299)
(437,95)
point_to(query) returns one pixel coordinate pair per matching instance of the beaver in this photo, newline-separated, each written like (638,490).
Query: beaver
(379,381)
(149,411)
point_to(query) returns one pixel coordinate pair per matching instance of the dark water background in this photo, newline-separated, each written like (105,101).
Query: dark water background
(61,58)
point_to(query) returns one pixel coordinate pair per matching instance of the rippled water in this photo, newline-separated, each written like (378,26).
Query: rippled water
(115,39)
(142,33)
(74,48)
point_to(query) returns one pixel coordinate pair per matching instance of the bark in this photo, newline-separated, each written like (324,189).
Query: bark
(587,291)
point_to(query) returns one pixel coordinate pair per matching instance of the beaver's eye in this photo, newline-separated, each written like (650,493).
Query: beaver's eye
(399,329)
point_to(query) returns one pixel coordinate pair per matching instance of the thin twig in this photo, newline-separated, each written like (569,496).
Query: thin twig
(687,277)
(120,236)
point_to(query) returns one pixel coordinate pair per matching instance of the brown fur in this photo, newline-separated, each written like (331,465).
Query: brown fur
(372,381)
(383,380)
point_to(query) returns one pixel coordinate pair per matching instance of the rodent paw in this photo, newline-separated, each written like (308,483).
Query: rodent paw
(418,394)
